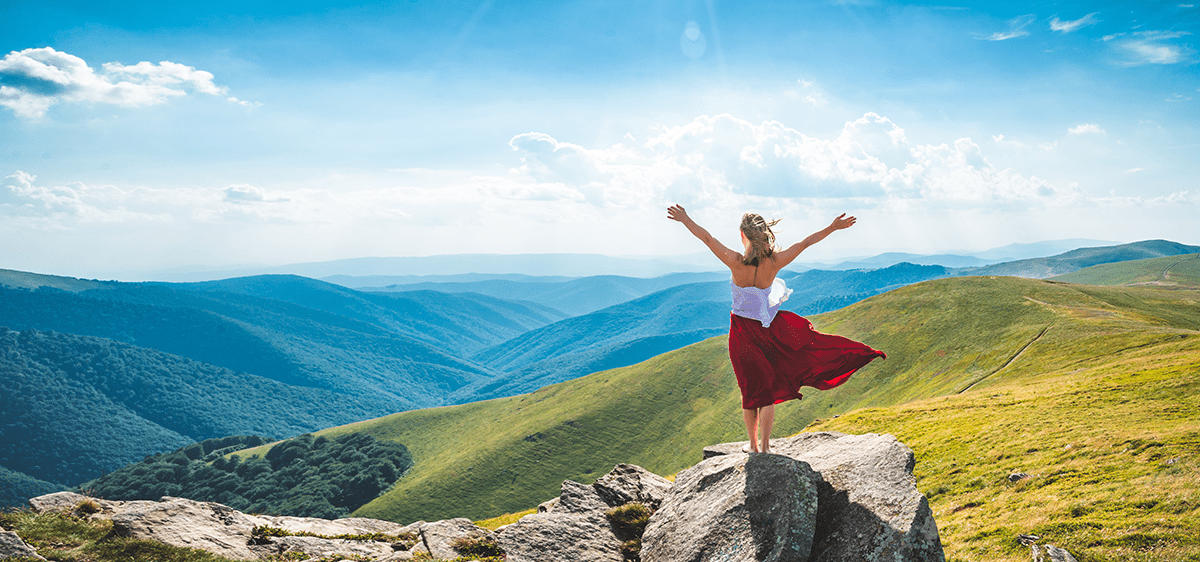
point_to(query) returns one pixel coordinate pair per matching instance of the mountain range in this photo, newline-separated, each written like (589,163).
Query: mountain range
(301,354)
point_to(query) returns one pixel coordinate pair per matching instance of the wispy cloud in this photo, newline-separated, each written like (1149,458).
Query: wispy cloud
(1150,47)
(1016,28)
(1069,26)
(1085,129)
(32,80)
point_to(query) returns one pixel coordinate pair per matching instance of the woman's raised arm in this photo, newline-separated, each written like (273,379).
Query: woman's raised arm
(727,256)
(783,258)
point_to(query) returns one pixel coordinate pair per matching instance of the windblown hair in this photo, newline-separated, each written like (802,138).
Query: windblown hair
(762,240)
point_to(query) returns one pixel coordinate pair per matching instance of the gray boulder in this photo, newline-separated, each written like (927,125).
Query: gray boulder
(631,483)
(316,547)
(570,528)
(216,528)
(437,537)
(869,506)
(1059,554)
(11,546)
(736,508)
(562,537)
(60,502)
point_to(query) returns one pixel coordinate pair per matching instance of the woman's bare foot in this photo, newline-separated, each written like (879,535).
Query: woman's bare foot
(747,449)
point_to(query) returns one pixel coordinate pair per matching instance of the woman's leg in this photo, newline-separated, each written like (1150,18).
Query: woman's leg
(751,418)
(766,418)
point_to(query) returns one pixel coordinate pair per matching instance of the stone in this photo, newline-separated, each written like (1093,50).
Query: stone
(58,501)
(325,527)
(11,546)
(631,483)
(547,506)
(1059,554)
(208,526)
(869,505)
(315,547)
(580,499)
(1017,477)
(735,508)
(561,537)
(438,536)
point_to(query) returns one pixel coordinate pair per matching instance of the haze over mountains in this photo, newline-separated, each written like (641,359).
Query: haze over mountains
(303,354)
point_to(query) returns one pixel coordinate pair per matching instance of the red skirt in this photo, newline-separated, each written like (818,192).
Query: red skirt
(771,364)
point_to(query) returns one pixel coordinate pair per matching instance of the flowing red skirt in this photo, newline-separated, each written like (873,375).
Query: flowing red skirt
(771,364)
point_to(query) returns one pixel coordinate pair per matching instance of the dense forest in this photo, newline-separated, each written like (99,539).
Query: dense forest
(76,406)
(305,476)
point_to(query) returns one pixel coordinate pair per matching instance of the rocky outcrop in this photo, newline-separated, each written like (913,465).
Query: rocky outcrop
(868,504)
(736,508)
(822,497)
(573,527)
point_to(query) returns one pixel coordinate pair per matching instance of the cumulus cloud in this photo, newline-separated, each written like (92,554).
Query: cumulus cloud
(1016,28)
(1085,129)
(1069,26)
(32,80)
(1150,47)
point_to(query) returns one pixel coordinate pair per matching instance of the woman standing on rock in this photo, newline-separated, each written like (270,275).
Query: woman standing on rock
(775,352)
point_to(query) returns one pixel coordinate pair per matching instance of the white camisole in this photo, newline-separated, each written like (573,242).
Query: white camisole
(759,304)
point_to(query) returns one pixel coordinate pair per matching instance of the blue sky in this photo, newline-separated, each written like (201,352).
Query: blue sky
(154,135)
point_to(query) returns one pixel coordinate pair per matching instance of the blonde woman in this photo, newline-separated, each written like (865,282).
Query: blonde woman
(775,352)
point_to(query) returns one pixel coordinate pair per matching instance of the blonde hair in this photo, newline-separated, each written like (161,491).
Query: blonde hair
(762,241)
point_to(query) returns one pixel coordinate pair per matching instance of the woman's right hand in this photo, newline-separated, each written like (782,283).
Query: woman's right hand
(676,213)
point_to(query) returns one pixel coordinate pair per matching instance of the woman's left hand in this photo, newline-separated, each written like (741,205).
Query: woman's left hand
(843,222)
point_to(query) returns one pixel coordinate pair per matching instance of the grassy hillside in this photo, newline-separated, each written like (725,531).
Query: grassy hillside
(1170,271)
(1074,260)
(944,337)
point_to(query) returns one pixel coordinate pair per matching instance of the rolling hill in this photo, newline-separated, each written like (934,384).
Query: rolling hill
(1181,271)
(1061,264)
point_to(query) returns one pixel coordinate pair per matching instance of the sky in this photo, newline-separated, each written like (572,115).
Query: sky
(138,136)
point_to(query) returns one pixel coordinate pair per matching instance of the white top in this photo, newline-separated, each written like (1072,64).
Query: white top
(759,304)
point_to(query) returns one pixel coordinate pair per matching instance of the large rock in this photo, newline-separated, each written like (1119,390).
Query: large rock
(216,528)
(11,546)
(736,508)
(869,507)
(60,502)
(316,547)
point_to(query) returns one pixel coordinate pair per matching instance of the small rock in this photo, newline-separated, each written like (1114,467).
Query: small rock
(547,506)
(12,546)
(631,483)
(439,535)
(1017,476)
(58,501)
(1058,554)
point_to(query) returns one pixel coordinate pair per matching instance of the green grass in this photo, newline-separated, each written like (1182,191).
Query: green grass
(1169,271)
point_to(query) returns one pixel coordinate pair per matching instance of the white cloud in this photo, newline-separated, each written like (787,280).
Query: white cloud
(1085,128)
(1016,28)
(1069,26)
(1134,170)
(1150,47)
(32,80)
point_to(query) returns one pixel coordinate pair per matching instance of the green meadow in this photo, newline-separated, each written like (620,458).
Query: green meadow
(1091,390)
(1171,271)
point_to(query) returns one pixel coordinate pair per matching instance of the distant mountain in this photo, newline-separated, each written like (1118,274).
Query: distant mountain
(383,281)
(573,297)
(78,406)
(402,348)
(893,258)
(1074,260)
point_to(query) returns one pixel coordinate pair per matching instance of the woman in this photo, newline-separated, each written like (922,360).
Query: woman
(774,352)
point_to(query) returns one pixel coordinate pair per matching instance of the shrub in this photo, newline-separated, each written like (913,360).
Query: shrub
(482,546)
